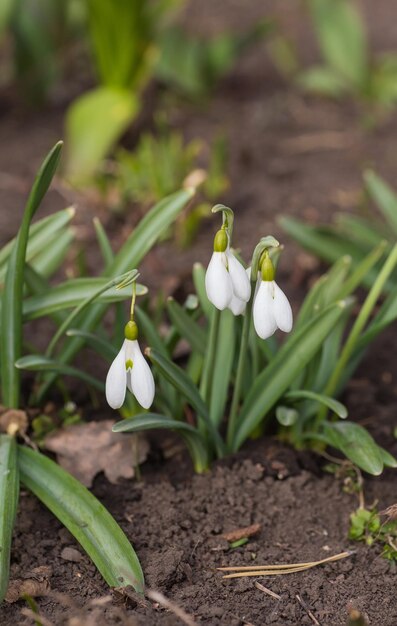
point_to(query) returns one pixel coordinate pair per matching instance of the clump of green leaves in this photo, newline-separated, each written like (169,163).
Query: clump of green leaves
(26,265)
(366,526)
(348,67)
(295,384)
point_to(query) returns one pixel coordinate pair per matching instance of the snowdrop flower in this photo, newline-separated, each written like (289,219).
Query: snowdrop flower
(130,369)
(271,307)
(226,281)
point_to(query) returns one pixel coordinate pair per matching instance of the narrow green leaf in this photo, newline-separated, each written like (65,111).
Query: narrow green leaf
(39,235)
(11,310)
(194,334)
(101,345)
(184,385)
(224,357)
(384,197)
(294,355)
(199,284)
(51,257)
(331,403)
(9,493)
(84,516)
(138,244)
(356,444)
(104,243)
(70,294)
(150,421)
(38,363)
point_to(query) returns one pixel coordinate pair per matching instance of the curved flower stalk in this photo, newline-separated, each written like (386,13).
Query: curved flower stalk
(271,308)
(226,281)
(130,369)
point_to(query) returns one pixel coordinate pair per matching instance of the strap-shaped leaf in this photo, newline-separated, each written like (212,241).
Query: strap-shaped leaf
(150,421)
(384,197)
(38,363)
(304,394)
(11,310)
(224,356)
(9,493)
(269,386)
(84,516)
(187,328)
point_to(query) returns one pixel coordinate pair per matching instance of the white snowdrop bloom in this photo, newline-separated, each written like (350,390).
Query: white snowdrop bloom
(130,369)
(271,308)
(226,281)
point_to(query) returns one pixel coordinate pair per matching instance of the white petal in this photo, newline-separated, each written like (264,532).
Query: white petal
(264,322)
(240,281)
(140,379)
(218,283)
(282,310)
(237,306)
(116,380)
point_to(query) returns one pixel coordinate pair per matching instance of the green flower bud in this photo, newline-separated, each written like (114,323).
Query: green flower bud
(220,241)
(131,331)
(267,268)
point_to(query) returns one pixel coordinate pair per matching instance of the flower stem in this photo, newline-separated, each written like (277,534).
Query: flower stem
(358,326)
(232,422)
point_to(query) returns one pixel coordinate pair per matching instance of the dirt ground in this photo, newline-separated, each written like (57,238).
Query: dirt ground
(289,154)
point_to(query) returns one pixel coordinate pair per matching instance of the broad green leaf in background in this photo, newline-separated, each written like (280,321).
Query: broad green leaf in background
(94,123)
(38,363)
(323,81)
(11,310)
(384,196)
(9,493)
(342,38)
(84,516)
(356,444)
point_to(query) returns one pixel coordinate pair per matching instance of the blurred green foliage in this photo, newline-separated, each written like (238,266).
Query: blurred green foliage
(348,67)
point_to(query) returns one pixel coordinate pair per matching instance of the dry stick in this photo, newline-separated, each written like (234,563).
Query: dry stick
(288,566)
(268,591)
(308,611)
(157,596)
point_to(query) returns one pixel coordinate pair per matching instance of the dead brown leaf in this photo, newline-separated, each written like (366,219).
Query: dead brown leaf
(241,533)
(84,450)
(13,421)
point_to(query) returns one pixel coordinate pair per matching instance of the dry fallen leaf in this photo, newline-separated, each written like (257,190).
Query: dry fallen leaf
(34,583)
(84,450)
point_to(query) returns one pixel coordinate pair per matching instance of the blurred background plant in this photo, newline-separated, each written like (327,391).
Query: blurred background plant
(354,233)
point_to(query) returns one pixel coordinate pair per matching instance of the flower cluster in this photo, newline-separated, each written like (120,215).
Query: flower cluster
(228,285)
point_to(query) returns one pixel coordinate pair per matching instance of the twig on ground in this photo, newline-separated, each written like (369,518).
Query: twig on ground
(269,592)
(157,596)
(308,611)
(240,533)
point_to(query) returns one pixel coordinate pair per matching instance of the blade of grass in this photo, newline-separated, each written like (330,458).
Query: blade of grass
(11,310)
(9,494)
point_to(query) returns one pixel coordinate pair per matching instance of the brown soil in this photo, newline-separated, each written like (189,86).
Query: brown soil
(289,154)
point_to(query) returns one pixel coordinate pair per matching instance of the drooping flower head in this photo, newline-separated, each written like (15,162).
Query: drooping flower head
(271,308)
(226,282)
(130,369)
